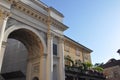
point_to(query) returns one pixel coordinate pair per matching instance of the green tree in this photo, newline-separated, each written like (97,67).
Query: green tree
(87,66)
(68,59)
(99,69)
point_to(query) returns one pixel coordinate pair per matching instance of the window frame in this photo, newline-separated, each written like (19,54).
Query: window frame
(55,49)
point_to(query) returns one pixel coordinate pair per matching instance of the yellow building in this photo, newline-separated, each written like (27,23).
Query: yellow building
(76,51)
(77,59)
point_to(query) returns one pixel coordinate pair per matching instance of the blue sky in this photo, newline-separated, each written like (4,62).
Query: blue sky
(93,23)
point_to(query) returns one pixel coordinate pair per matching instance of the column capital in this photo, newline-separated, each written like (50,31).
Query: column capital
(4,44)
(50,36)
(44,55)
(4,14)
(61,39)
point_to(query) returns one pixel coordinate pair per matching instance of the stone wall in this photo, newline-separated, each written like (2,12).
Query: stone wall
(15,58)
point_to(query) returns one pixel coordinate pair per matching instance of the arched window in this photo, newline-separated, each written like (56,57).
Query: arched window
(68,61)
(35,78)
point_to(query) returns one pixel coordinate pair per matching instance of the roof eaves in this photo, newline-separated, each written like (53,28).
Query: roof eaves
(79,44)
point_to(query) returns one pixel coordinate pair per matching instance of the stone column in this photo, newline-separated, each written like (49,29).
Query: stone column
(61,60)
(3,20)
(49,65)
(29,71)
(43,67)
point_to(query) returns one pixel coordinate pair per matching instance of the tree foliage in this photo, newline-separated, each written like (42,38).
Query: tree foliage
(99,69)
(85,65)
(68,58)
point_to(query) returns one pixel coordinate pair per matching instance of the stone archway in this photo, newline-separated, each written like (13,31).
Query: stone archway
(29,28)
(33,43)
(35,78)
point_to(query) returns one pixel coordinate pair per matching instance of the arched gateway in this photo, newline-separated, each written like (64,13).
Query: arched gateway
(31,41)
(24,47)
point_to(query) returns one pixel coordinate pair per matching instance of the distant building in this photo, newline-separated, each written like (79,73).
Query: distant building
(76,50)
(112,69)
(78,54)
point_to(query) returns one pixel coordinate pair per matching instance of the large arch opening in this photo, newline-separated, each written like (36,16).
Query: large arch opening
(22,46)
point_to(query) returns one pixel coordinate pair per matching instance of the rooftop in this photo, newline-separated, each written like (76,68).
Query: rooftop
(112,62)
(89,50)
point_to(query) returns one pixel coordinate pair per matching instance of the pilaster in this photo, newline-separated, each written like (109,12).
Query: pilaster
(43,67)
(49,67)
(61,60)
(3,20)
(29,66)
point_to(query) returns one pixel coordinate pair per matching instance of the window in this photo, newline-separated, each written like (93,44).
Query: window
(67,47)
(55,49)
(86,57)
(78,62)
(116,74)
(68,60)
(77,52)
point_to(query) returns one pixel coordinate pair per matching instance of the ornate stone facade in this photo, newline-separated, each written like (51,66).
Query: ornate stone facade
(27,36)
(31,41)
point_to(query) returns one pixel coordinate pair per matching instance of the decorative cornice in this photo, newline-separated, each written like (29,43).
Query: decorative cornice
(53,9)
(31,12)
(40,4)
(4,14)
(58,24)
(17,4)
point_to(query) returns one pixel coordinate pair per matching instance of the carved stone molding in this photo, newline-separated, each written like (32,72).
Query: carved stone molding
(4,44)
(17,4)
(4,14)
(61,41)
(44,55)
(36,68)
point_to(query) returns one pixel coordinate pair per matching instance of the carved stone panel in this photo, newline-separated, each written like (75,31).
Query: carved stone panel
(35,68)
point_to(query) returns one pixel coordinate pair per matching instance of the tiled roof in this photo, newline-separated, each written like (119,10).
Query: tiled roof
(111,63)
